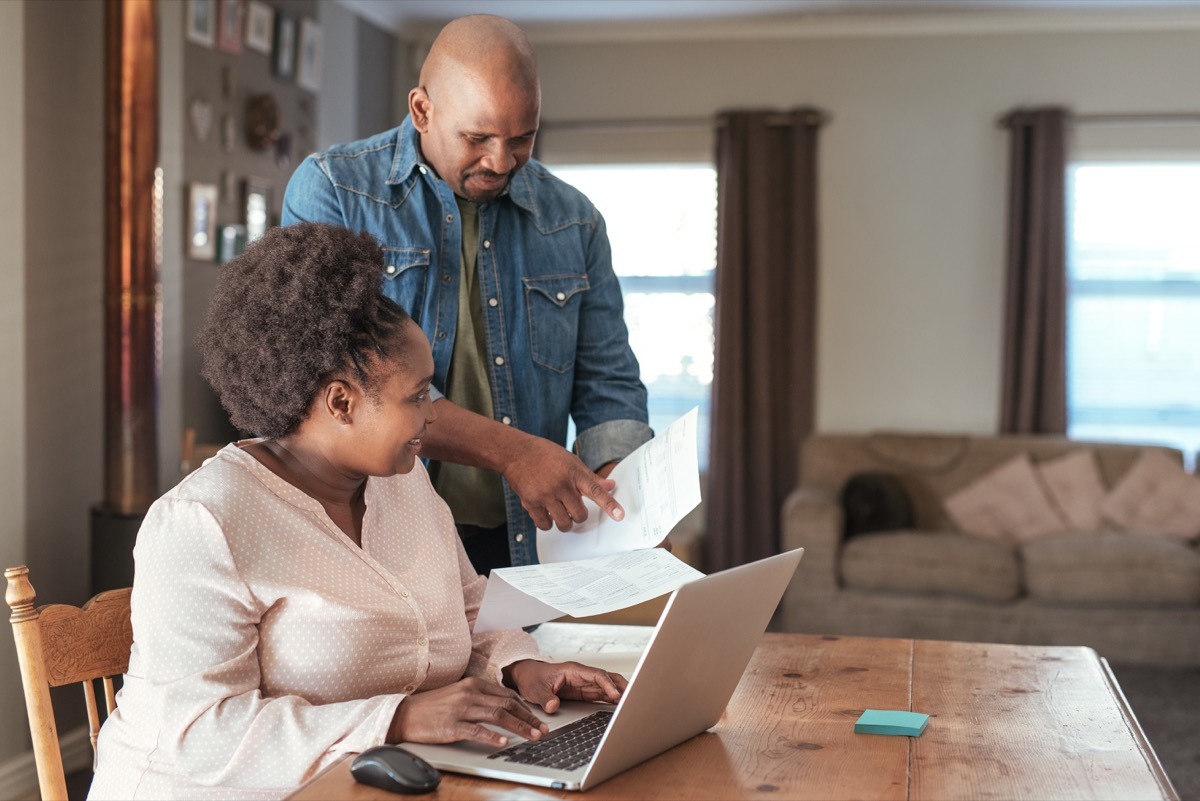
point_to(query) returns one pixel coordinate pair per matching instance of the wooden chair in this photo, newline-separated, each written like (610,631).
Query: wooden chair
(59,644)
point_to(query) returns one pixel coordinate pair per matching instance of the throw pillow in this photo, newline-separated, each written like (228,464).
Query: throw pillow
(1075,488)
(1155,497)
(1007,504)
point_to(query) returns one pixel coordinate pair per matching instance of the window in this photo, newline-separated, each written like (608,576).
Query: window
(662,223)
(1133,316)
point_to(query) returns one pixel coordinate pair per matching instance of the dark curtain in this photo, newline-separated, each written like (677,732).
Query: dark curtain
(1034,390)
(765,326)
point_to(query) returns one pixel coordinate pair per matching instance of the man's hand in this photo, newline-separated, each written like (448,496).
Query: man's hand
(549,479)
(548,684)
(457,711)
(551,482)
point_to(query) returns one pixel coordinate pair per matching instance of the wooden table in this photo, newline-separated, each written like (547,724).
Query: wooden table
(1006,722)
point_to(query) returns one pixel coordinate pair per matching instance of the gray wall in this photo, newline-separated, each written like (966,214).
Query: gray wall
(207,161)
(51,219)
(13,738)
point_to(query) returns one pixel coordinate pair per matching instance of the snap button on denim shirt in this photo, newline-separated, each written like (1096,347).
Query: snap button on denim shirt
(556,338)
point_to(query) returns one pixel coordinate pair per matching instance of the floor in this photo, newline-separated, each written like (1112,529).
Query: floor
(1166,702)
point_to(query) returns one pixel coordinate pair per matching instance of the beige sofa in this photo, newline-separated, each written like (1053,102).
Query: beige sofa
(1134,598)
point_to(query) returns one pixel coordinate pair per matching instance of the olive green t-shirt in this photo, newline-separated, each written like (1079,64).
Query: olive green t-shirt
(475,495)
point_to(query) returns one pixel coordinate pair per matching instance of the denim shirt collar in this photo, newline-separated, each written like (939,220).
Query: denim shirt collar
(408,160)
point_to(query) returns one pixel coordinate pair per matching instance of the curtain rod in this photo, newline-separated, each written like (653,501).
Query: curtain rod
(661,123)
(1170,118)
(1131,119)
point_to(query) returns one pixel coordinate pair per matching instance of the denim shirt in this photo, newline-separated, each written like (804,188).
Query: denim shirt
(557,345)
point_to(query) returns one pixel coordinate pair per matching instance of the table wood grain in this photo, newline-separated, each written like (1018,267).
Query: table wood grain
(1006,722)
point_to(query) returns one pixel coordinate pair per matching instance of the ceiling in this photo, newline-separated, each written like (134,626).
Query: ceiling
(397,15)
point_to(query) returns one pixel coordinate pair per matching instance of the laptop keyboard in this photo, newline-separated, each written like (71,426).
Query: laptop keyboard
(567,748)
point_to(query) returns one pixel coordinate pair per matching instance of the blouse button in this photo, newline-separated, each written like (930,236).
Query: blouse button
(422,169)
(506,420)
(561,296)
(404,593)
(407,689)
(519,538)
(499,361)
(422,642)
(449,218)
(493,302)
(487,243)
(441,334)
(390,269)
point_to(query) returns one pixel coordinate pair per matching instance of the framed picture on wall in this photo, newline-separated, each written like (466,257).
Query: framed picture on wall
(202,221)
(202,22)
(256,207)
(260,26)
(308,56)
(230,20)
(283,58)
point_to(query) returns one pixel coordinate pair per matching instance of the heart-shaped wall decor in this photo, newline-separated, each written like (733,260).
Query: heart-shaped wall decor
(200,114)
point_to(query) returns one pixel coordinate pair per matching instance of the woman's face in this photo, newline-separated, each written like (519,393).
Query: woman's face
(388,428)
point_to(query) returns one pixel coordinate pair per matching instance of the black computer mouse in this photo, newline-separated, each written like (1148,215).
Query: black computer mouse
(390,767)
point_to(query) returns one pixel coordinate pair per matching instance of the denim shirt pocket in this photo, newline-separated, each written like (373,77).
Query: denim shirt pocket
(404,272)
(552,303)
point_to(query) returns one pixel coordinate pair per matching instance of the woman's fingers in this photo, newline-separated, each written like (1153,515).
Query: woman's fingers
(459,712)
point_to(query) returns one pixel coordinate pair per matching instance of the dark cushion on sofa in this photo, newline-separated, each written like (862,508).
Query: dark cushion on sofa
(875,501)
(927,563)
(1112,568)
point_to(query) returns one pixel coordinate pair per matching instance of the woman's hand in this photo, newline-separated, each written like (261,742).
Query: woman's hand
(457,711)
(547,684)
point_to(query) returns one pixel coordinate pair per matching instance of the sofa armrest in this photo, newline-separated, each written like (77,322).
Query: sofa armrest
(812,519)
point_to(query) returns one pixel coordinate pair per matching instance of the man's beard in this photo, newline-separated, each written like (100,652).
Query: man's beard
(487,195)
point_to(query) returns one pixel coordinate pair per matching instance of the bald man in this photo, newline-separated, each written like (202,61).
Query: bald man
(509,272)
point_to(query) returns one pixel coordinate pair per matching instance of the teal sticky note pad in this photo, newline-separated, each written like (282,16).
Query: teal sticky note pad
(891,721)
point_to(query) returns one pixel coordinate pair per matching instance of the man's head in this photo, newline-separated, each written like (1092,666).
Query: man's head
(477,105)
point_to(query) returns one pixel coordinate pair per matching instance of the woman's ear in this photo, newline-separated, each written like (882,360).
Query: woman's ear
(338,401)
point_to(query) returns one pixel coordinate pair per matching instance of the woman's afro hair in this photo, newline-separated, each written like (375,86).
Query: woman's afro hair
(301,306)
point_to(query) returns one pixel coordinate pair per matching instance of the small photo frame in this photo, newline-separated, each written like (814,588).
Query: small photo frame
(230,22)
(202,221)
(283,56)
(202,22)
(232,243)
(260,26)
(308,57)
(256,207)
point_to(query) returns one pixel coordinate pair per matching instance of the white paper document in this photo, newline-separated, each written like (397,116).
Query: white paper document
(522,596)
(657,485)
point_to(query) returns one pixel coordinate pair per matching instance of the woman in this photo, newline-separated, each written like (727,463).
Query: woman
(304,594)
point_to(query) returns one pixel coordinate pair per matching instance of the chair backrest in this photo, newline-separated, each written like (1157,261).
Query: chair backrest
(59,644)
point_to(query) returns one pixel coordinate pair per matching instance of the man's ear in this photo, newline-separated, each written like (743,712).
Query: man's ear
(419,107)
(338,400)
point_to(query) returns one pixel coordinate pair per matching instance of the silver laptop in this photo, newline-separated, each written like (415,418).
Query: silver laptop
(680,687)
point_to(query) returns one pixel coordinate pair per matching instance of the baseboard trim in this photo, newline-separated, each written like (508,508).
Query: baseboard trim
(18,774)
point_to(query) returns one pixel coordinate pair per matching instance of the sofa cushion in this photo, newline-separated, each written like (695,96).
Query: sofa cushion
(1074,485)
(1111,568)
(1155,497)
(929,563)
(1007,504)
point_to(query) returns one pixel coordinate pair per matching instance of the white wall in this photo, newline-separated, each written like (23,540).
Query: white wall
(912,179)
(12,345)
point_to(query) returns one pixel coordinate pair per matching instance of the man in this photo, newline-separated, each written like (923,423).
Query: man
(509,272)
